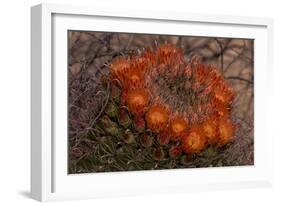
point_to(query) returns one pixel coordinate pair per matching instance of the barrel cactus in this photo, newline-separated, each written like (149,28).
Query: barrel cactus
(162,111)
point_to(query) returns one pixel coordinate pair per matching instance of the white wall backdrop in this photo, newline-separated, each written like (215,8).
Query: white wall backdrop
(15,101)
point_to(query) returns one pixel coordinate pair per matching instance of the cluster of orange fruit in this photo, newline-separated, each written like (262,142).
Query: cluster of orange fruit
(193,109)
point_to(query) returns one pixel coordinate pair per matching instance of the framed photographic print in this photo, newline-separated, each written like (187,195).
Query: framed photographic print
(137,102)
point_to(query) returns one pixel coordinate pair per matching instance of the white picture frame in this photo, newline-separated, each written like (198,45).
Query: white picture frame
(49,179)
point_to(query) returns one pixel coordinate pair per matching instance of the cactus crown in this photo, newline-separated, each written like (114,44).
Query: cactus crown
(189,89)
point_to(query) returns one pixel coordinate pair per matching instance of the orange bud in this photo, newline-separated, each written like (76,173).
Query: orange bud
(178,126)
(137,100)
(157,118)
(194,141)
(210,129)
(226,131)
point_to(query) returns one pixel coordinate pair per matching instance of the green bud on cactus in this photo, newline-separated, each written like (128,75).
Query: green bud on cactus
(105,121)
(111,110)
(124,118)
(128,137)
(113,130)
(109,126)
(139,124)
(146,140)
(158,153)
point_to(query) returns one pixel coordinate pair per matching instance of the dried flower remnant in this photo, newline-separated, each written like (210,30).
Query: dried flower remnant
(158,153)
(139,124)
(128,137)
(146,140)
(163,137)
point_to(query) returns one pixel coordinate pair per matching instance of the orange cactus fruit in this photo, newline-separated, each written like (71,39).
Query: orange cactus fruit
(226,131)
(129,72)
(178,126)
(210,129)
(140,63)
(224,93)
(118,67)
(133,78)
(201,73)
(157,118)
(150,58)
(137,100)
(169,54)
(220,109)
(194,141)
